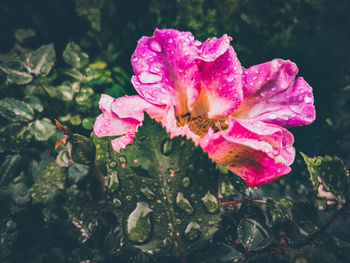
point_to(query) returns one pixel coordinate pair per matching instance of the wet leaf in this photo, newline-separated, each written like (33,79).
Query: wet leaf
(158,213)
(74,56)
(14,136)
(9,168)
(42,60)
(329,176)
(77,172)
(42,129)
(16,110)
(17,72)
(253,235)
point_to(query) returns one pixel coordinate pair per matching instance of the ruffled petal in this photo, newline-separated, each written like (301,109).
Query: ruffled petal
(135,106)
(269,78)
(121,142)
(165,70)
(292,107)
(109,124)
(220,74)
(256,151)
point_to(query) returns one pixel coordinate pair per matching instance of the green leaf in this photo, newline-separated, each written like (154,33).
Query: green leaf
(42,129)
(16,110)
(8,234)
(279,210)
(164,186)
(49,177)
(42,60)
(88,123)
(14,136)
(329,176)
(253,235)
(82,149)
(35,103)
(9,168)
(17,72)
(22,34)
(77,172)
(74,56)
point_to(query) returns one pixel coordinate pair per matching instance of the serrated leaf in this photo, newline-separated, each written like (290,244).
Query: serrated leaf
(253,235)
(16,110)
(42,60)
(49,177)
(17,72)
(14,136)
(74,56)
(162,189)
(331,173)
(9,168)
(42,129)
(279,210)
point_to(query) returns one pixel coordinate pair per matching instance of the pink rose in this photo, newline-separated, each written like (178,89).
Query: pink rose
(200,90)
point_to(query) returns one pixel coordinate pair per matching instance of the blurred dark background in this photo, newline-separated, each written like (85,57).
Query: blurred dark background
(312,33)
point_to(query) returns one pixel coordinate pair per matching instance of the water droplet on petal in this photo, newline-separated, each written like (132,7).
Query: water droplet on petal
(230,78)
(147,193)
(210,202)
(139,225)
(147,77)
(166,147)
(272,116)
(308,99)
(135,59)
(186,182)
(155,46)
(183,203)
(192,231)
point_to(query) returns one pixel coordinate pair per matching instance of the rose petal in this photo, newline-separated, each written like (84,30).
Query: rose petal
(220,78)
(165,70)
(256,151)
(122,142)
(135,107)
(269,78)
(292,107)
(108,123)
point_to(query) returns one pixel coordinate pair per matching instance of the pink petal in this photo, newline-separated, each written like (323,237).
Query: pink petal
(121,142)
(134,107)
(169,122)
(292,107)
(220,74)
(108,123)
(269,78)
(165,70)
(256,151)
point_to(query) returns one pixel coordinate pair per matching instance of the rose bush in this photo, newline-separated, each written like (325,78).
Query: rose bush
(200,90)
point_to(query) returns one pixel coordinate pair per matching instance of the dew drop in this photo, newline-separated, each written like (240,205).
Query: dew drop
(183,203)
(230,78)
(155,46)
(128,197)
(210,203)
(112,164)
(147,77)
(117,203)
(186,182)
(178,221)
(191,167)
(139,225)
(308,99)
(226,190)
(272,116)
(122,159)
(147,193)
(192,231)
(166,147)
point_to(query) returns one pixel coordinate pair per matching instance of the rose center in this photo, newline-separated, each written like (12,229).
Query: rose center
(200,125)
